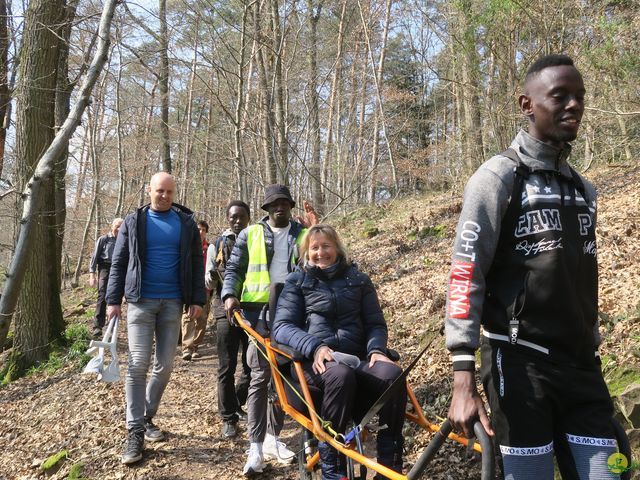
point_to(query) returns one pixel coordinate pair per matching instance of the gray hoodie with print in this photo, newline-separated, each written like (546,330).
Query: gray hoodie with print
(525,269)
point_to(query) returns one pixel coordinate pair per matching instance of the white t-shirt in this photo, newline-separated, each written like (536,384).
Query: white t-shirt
(278,270)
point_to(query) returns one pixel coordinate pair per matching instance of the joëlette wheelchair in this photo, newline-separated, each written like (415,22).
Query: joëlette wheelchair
(298,399)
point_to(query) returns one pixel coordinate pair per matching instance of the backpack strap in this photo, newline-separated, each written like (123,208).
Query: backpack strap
(579,184)
(520,169)
(521,172)
(222,253)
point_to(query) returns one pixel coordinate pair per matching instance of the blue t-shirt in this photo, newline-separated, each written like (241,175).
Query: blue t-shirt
(161,271)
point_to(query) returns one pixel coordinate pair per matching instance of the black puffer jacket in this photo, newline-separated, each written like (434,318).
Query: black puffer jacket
(342,312)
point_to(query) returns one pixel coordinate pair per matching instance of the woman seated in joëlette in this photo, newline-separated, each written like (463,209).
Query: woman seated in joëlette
(327,305)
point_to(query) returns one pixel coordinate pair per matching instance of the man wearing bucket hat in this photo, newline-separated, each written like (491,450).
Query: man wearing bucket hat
(264,254)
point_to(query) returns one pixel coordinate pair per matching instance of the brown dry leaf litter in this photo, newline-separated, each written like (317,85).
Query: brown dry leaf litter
(408,260)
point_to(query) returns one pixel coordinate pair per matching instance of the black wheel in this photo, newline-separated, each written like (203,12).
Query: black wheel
(307,446)
(351,475)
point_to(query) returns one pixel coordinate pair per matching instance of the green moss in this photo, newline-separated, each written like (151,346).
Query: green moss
(71,348)
(13,368)
(438,231)
(622,379)
(54,460)
(369,229)
(618,377)
(75,472)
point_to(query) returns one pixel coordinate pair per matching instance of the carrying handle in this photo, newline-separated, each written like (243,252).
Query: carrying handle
(488,464)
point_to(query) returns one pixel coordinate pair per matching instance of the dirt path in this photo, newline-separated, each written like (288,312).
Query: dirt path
(43,415)
(75,412)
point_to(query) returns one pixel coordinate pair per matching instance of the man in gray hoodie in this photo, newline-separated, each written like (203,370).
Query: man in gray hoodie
(524,268)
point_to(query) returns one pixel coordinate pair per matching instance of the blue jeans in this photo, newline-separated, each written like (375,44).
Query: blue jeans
(146,318)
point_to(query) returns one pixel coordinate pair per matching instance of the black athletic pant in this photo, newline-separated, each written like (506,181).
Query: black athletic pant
(349,393)
(540,409)
(231,396)
(101,304)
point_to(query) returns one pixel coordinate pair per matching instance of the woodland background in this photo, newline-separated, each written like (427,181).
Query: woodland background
(350,102)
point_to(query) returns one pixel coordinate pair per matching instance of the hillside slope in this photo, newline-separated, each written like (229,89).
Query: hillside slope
(405,246)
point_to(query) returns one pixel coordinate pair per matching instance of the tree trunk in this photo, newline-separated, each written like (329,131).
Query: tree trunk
(360,174)
(266,113)
(472,133)
(279,95)
(588,145)
(622,124)
(119,135)
(239,117)
(328,156)
(205,198)
(313,15)
(63,106)
(165,153)
(186,161)
(85,234)
(82,169)
(5,94)
(29,282)
(378,116)
(39,315)
(92,126)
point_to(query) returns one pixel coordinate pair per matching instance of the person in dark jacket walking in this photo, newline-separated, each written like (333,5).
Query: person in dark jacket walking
(329,306)
(230,338)
(524,267)
(101,264)
(157,265)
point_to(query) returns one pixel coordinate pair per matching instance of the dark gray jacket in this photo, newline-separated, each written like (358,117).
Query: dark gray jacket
(103,252)
(237,265)
(342,312)
(125,277)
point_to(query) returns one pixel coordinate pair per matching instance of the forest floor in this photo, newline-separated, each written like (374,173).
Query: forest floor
(405,246)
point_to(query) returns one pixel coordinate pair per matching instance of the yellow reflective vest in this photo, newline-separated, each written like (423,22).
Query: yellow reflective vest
(257,282)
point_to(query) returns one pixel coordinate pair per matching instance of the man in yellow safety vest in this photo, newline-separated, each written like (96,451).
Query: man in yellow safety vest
(264,254)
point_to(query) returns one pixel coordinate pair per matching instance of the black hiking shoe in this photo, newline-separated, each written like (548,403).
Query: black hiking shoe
(133,450)
(151,432)
(242,415)
(229,429)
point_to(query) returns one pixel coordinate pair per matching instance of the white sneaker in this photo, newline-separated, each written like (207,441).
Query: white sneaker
(273,449)
(255,461)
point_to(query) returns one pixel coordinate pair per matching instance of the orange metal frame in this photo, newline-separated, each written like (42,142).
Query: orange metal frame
(312,423)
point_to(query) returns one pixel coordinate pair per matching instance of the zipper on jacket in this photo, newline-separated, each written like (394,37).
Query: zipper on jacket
(514,323)
(334,302)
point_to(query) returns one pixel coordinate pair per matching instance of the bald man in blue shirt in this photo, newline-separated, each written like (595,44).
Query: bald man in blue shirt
(157,265)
